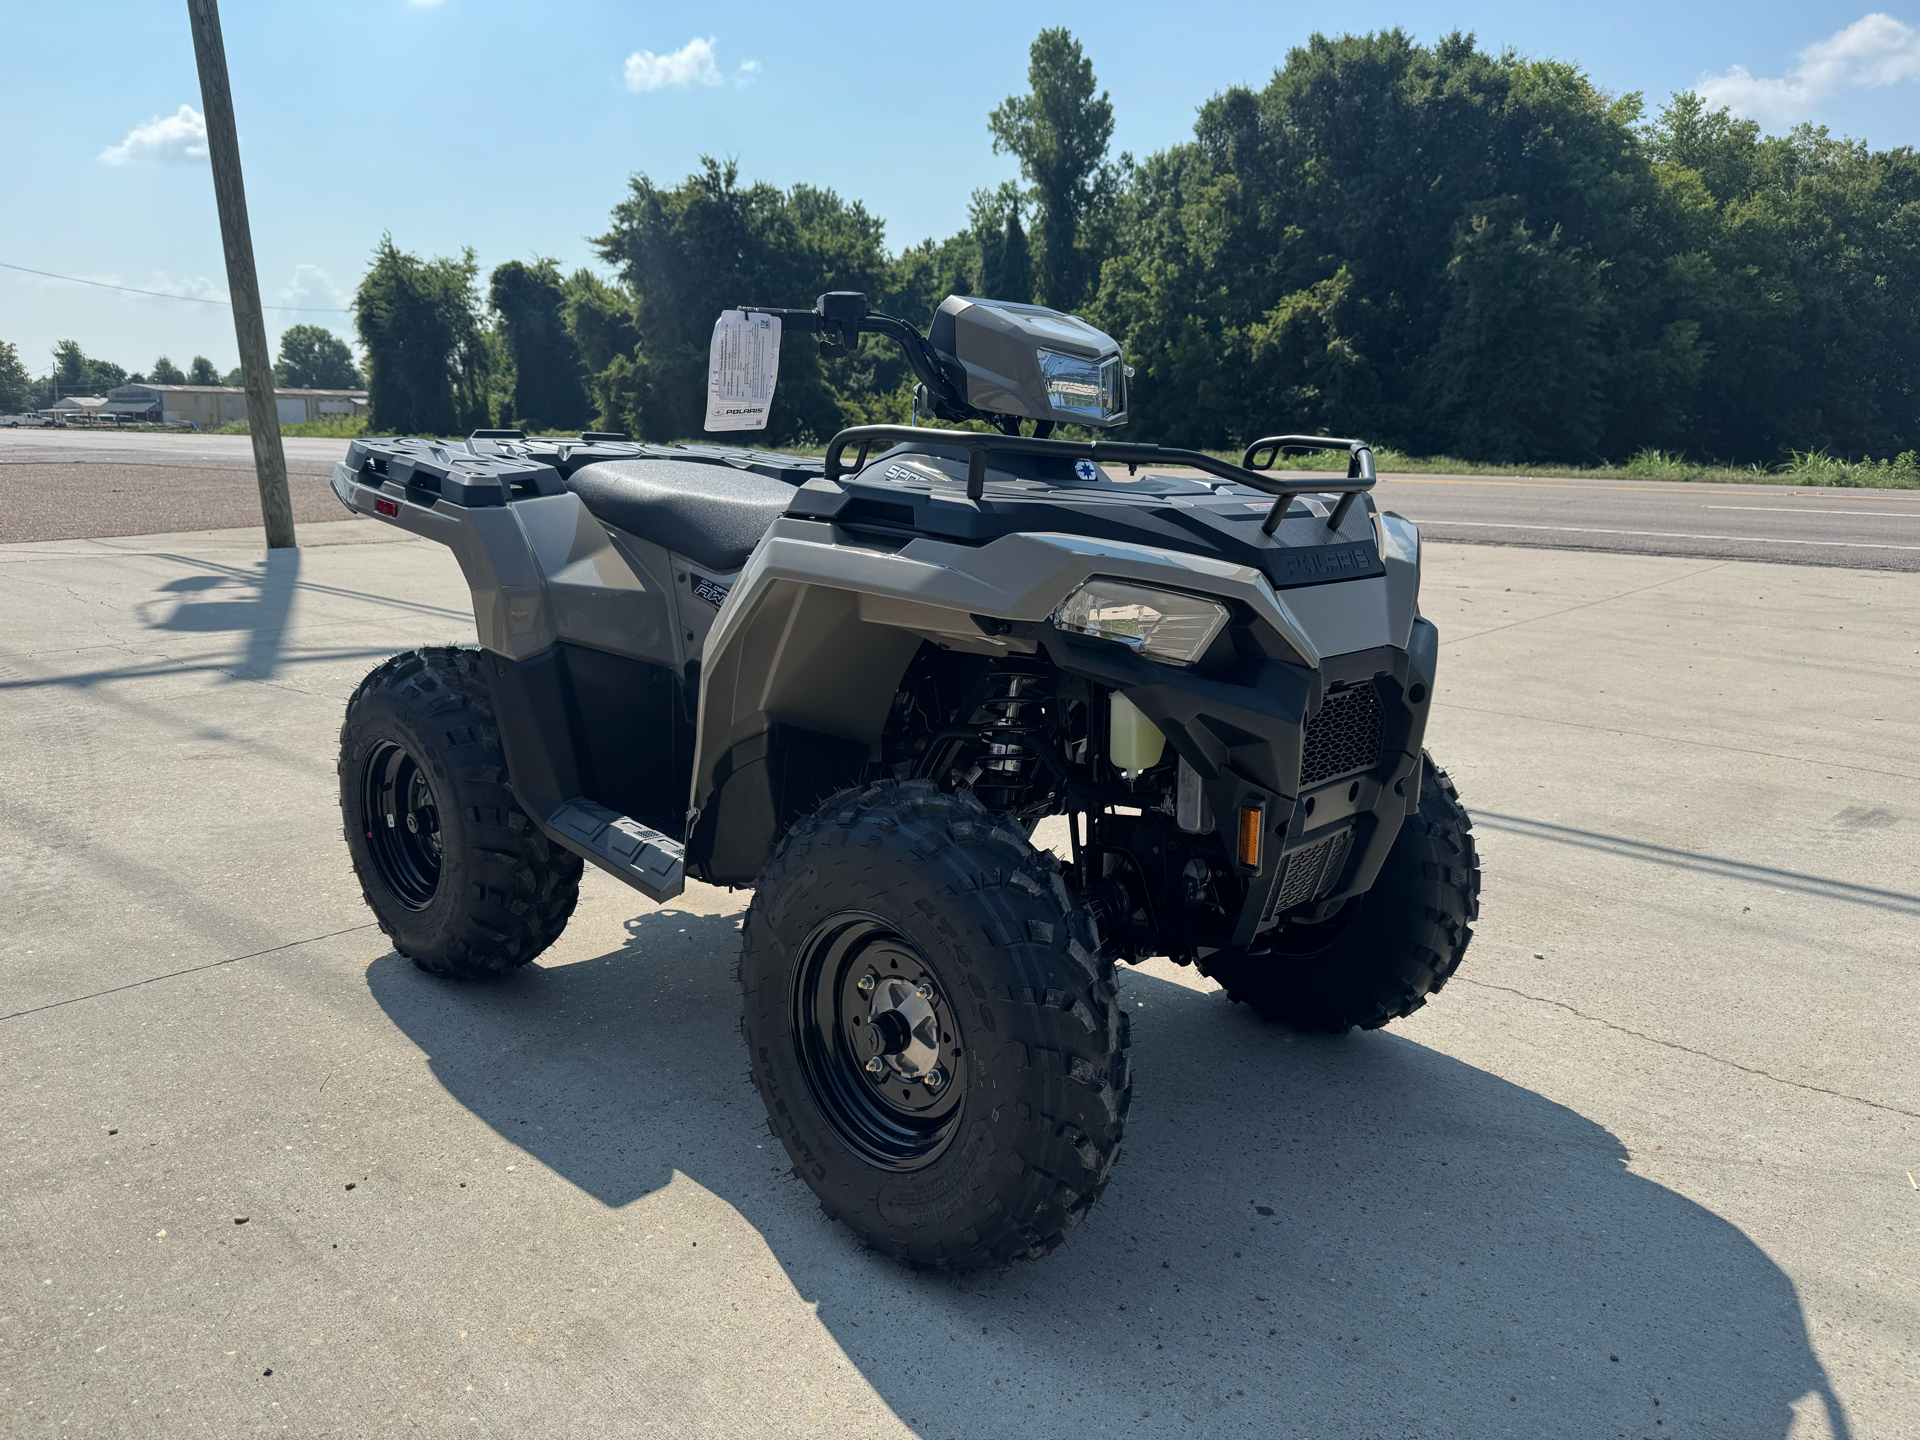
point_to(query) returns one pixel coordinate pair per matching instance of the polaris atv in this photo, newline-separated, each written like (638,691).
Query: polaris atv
(859,685)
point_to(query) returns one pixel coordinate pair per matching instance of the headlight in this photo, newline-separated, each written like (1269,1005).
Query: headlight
(1096,389)
(1160,623)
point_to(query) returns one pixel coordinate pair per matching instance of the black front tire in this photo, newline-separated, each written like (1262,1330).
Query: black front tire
(460,879)
(1384,953)
(903,881)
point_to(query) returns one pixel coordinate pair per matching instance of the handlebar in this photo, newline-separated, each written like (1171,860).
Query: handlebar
(844,317)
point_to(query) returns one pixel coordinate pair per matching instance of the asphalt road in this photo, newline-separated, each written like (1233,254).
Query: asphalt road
(67,484)
(1645,1167)
(1801,525)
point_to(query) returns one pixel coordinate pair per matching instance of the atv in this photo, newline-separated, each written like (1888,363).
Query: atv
(858,684)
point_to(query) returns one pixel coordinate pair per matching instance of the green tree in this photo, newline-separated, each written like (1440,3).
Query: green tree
(16,386)
(531,301)
(164,372)
(314,358)
(77,373)
(429,369)
(1794,260)
(200,371)
(710,244)
(1486,255)
(600,318)
(1059,132)
(1005,270)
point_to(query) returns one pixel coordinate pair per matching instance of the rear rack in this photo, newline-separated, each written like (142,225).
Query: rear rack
(980,444)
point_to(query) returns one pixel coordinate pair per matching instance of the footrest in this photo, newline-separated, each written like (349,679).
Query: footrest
(645,858)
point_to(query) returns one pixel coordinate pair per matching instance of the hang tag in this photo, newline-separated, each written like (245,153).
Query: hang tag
(742,365)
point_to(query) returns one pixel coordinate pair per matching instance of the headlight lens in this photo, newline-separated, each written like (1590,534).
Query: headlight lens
(1160,623)
(1096,389)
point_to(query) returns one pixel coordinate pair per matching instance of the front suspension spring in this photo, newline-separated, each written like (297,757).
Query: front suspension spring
(1013,711)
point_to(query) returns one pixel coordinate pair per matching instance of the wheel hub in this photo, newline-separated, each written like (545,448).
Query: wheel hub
(902,1032)
(401,820)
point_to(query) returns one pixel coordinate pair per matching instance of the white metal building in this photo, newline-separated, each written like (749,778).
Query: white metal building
(214,405)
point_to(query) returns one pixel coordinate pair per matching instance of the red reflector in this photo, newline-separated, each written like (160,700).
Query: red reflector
(387,507)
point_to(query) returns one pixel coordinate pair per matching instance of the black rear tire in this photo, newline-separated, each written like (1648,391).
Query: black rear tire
(892,888)
(460,879)
(1383,954)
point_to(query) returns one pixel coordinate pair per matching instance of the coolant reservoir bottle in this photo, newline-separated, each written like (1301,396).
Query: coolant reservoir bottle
(1133,741)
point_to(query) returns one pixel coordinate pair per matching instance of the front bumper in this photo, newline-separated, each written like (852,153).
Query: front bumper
(1329,806)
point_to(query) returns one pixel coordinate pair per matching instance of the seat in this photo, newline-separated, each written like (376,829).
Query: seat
(713,514)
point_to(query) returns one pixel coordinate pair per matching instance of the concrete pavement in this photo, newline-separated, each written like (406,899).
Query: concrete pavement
(1666,1114)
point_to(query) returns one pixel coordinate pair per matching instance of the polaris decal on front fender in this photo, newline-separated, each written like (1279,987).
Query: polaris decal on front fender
(1311,565)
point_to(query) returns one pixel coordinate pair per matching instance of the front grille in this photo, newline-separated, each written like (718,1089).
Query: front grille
(1345,736)
(1310,874)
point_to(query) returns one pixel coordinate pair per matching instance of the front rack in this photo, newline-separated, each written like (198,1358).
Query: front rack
(980,444)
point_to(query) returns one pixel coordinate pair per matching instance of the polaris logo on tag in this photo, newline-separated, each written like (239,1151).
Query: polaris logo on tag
(1327,562)
(1087,470)
(711,591)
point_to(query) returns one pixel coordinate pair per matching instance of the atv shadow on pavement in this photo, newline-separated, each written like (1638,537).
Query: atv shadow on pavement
(1306,1236)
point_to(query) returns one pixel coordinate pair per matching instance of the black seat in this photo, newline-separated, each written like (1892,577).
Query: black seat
(713,514)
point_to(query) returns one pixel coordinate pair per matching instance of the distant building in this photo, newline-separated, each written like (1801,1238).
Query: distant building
(209,406)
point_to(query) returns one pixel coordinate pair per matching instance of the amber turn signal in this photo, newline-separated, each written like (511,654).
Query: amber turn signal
(1251,837)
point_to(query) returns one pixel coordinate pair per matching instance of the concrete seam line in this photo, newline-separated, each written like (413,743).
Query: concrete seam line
(210,966)
(1690,1050)
(1725,866)
(1584,605)
(1644,735)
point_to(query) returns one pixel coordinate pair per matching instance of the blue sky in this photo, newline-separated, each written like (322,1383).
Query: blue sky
(513,128)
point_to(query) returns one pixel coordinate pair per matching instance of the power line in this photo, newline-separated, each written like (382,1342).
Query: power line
(164,295)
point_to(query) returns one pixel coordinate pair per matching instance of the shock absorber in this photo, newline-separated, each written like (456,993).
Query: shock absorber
(1012,711)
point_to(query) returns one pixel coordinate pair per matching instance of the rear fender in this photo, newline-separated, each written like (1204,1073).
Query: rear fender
(541,570)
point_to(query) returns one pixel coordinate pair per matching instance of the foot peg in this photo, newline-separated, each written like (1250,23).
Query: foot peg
(646,859)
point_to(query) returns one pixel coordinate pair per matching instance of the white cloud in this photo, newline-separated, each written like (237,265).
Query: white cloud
(198,286)
(748,73)
(1875,50)
(180,136)
(692,64)
(312,287)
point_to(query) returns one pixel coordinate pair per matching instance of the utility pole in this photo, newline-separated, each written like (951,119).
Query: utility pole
(256,366)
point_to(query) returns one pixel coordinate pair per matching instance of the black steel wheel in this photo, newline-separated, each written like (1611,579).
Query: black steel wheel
(460,879)
(935,1035)
(880,1043)
(402,821)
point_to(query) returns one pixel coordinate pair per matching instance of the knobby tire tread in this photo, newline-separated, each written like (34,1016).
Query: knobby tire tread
(1047,1040)
(506,891)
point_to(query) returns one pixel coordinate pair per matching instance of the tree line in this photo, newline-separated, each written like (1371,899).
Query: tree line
(311,357)
(1440,249)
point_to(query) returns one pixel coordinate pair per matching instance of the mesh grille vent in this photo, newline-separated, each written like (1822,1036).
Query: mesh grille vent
(1345,736)
(1303,874)
(1310,874)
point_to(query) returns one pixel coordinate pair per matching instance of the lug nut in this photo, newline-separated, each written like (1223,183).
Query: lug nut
(865,985)
(934,1079)
(924,991)
(875,1066)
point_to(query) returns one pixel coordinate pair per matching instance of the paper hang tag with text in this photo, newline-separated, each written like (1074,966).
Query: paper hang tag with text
(742,365)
